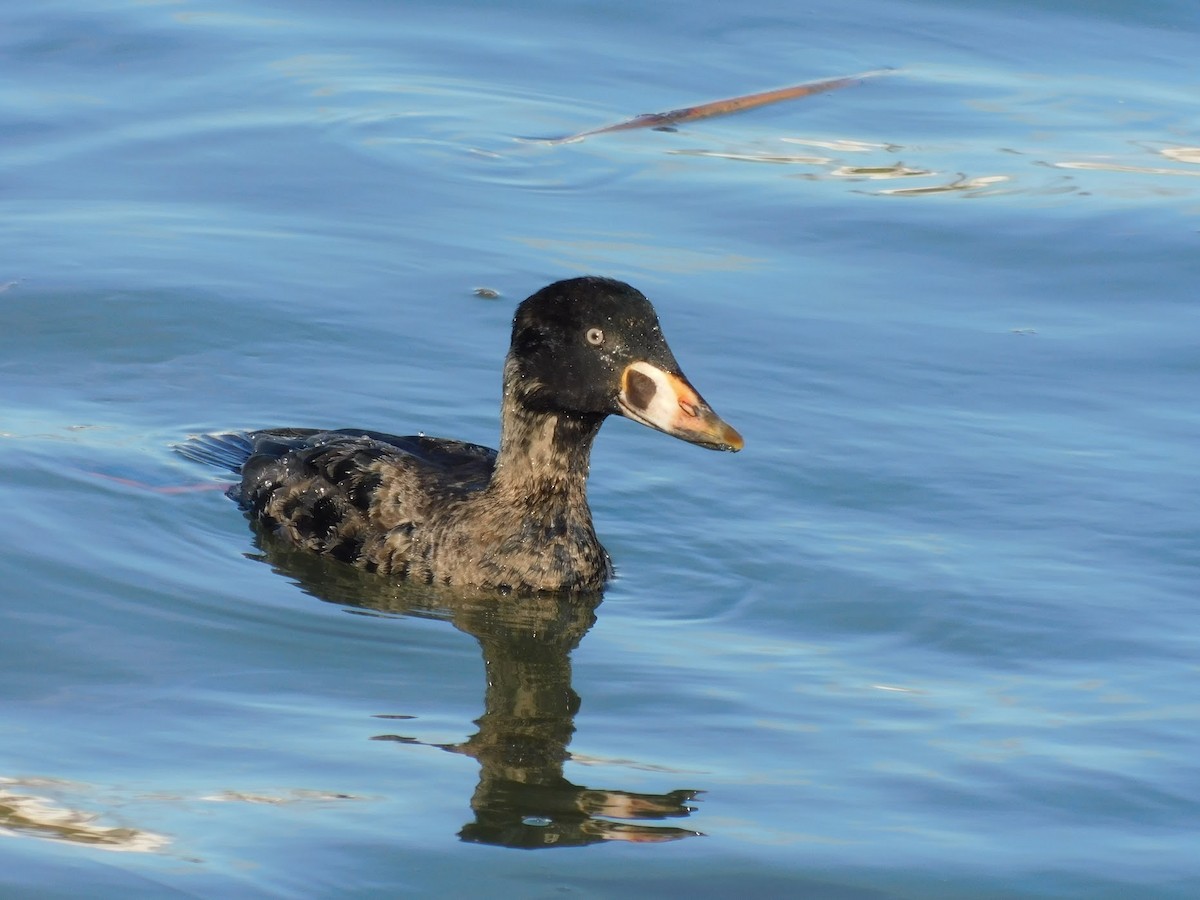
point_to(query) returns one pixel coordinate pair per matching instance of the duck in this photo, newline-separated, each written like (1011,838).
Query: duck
(449,512)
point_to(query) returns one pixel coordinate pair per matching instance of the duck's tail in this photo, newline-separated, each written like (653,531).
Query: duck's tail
(228,450)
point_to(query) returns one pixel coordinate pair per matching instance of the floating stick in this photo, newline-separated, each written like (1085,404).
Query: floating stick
(725,107)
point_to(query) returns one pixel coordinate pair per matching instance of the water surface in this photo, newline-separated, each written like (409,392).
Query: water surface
(932,634)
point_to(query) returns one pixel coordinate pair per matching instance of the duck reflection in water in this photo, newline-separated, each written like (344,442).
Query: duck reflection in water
(523,799)
(500,542)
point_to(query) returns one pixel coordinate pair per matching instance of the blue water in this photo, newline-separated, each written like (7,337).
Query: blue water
(932,634)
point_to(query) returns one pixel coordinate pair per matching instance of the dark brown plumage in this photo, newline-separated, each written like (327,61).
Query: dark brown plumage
(456,513)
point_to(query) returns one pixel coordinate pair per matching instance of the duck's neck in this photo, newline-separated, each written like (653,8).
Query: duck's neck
(544,458)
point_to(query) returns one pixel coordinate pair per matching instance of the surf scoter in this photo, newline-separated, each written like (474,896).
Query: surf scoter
(445,511)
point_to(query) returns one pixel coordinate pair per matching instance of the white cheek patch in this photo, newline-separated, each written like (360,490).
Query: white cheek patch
(659,407)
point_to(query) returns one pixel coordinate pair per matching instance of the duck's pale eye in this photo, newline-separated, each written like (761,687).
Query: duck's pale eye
(595,337)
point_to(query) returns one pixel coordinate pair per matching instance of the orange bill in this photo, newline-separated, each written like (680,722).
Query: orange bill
(666,402)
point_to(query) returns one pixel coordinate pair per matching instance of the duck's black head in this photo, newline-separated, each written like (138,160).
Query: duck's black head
(592,347)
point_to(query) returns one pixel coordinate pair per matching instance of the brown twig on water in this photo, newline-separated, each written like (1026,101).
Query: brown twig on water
(725,107)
